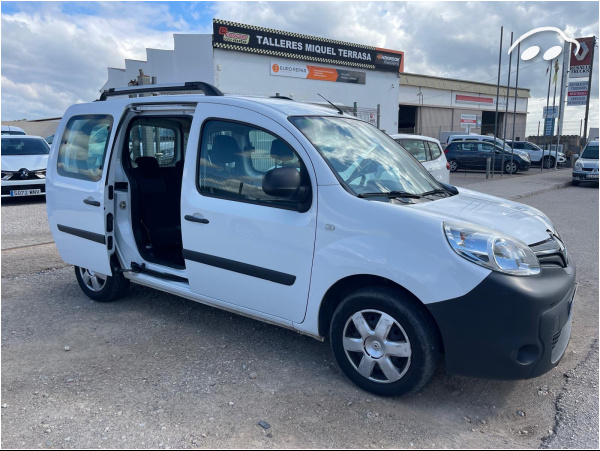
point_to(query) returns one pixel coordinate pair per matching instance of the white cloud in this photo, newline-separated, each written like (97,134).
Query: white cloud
(51,59)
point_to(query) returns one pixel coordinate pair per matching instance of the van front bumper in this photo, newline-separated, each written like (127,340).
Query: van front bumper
(508,327)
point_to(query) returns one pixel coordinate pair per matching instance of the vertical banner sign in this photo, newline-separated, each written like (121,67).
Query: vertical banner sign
(283,44)
(578,93)
(549,126)
(580,62)
(551,111)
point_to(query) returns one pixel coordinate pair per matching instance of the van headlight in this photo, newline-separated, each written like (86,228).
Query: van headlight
(492,249)
(578,166)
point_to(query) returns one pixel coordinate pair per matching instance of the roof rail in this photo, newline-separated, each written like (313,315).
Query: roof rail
(206,88)
(281,97)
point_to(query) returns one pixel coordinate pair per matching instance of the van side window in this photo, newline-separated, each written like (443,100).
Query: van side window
(435,150)
(150,140)
(83,147)
(234,158)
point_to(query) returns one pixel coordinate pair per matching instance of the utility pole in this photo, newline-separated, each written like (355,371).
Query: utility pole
(561,101)
(545,119)
(587,103)
(512,148)
(553,108)
(497,98)
(506,110)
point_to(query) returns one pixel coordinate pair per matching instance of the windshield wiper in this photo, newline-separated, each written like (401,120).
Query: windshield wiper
(435,191)
(391,194)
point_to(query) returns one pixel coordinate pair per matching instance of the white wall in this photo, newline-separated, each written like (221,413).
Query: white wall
(250,74)
(191,60)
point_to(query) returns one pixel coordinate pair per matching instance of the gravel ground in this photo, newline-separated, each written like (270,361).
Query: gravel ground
(155,370)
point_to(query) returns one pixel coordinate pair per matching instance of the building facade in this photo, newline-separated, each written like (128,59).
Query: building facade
(366,81)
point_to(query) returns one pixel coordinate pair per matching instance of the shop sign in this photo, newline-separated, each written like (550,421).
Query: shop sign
(266,41)
(310,72)
(578,93)
(581,61)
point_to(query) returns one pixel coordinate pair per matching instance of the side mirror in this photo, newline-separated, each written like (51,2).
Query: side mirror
(283,183)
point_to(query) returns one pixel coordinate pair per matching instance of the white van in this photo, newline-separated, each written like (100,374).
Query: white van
(311,219)
(429,153)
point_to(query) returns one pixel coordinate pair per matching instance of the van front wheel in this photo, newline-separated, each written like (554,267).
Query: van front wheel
(383,342)
(101,287)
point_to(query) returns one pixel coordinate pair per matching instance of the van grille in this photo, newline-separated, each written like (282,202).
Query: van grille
(551,252)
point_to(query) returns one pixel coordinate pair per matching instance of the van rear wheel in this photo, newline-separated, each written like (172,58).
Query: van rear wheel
(383,342)
(101,287)
(453,165)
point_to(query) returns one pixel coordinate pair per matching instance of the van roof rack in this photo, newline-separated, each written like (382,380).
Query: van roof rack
(206,88)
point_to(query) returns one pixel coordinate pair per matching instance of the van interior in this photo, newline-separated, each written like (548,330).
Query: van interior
(153,158)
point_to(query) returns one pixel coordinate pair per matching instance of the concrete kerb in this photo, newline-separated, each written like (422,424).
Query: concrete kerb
(528,185)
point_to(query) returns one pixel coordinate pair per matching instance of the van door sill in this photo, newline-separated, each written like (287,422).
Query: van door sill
(141,268)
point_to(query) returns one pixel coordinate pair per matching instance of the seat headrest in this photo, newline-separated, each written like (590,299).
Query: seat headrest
(224,150)
(281,151)
(148,167)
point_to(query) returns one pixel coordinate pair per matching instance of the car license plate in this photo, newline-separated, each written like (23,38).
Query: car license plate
(25,192)
(592,176)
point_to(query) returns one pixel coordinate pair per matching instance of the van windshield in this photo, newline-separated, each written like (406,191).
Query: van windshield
(16,146)
(591,152)
(365,159)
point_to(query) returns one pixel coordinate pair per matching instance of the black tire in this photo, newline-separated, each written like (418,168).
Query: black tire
(453,165)
(111,289)
(548,163)
(575,182)
(510,169)
(416,324)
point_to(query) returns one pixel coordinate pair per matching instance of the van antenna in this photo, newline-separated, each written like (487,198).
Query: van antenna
(335,106)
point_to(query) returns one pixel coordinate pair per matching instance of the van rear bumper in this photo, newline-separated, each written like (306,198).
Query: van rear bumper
(508,327)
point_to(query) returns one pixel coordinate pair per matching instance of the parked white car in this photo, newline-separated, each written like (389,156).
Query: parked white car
(586,167)
(313,220)
(537,154)
(12,130)
(24,161)
(429,153)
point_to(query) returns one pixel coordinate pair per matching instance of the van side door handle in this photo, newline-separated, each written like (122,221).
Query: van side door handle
(196,219)
(91,201)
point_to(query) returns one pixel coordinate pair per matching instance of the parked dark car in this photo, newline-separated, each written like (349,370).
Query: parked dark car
(474,155)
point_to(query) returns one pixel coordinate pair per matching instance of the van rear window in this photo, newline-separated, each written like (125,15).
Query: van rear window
(82,149)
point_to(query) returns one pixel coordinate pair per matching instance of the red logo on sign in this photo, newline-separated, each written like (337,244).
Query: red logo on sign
(275,68)
(223,30)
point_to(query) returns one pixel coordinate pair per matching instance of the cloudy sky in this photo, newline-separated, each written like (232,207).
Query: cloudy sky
(55,54)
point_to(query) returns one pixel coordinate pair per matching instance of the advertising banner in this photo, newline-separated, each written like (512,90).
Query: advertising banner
(551,111)
(265,41)
(549,126)
(577,93)
(580,62)
(309,72)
